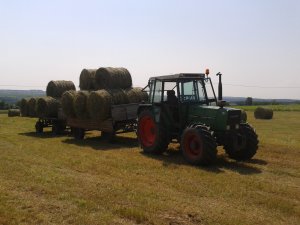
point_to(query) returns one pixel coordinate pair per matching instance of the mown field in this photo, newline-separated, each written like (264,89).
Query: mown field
(46,179)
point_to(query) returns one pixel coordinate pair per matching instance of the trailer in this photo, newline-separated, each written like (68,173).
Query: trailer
(123,119)
(58,124)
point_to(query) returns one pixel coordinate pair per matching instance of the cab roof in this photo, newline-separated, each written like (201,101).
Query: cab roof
(179,76)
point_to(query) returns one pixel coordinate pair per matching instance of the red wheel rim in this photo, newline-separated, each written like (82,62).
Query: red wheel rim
(193,145)
(147,131)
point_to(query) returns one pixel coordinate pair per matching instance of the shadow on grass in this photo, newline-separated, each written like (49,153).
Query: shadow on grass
(100,143)
(173,157)
(45,134)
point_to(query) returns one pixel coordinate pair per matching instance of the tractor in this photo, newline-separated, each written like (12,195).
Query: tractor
(184,108)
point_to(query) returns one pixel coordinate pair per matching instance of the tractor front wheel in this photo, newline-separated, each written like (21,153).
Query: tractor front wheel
(243,145)
(152,137)
(198,145)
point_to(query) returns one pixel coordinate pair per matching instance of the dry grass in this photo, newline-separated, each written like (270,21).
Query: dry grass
(47,179)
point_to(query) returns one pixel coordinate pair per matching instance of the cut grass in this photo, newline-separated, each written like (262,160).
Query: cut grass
(46,179)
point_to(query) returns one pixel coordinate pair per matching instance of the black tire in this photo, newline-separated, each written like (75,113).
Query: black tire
(109,136)
(198,146)
(79,133)
(39,127)
(243,145)
(152,137)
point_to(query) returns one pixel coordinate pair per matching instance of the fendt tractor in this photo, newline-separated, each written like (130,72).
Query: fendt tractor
(184,108)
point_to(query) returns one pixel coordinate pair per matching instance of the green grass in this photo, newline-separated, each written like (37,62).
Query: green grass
(47,179)
(3,112)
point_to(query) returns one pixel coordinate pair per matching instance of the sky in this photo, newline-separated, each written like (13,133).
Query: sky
(255,44)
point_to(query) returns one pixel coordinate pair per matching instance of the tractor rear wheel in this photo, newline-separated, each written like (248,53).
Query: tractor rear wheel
(152,137)
(243,145)
(39,127)
(198,145)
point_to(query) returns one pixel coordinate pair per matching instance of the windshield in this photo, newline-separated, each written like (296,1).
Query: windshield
(196,91)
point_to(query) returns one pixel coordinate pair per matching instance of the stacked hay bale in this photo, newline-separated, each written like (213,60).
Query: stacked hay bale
(24,106)
(47,107)
(55,89)
(80,104)
(13,112)
(263,113)
(87,79)
(67,100)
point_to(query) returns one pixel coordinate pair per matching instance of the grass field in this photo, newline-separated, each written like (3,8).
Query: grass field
(47,179)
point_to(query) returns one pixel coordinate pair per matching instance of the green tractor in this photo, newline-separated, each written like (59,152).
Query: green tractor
(183,108)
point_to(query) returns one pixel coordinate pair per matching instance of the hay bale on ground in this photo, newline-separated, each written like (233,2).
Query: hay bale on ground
(99,103)
(56,88)
(13,112)
(24,106)
(32,107)
(243,116)
(47,107)
(112,78)
(263,113)
(87,79)
(67,103)
(80,104)
(136,95)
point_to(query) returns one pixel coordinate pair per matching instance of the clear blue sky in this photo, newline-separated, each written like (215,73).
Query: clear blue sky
(253,43)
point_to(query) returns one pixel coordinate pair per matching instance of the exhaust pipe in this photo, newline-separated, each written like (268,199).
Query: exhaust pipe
(220,87)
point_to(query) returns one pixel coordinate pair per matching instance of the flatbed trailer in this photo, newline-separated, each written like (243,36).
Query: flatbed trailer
(123,119)
(58,124)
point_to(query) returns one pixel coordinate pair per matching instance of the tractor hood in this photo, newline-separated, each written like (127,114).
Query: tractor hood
(216,117)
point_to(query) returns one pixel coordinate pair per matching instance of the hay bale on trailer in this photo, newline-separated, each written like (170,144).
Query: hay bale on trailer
(47,107)
(80,104)
(56,88)
(118,96)
(87,79)
(13,112)
(99,103)
(32,106)
(67,103)
(263,113)
(112,78)
(136,95)
(24,106)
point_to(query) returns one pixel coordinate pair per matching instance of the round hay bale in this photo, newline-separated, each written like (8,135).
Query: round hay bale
(56,88)
(99,103)
(136,95)
(24,106)
(80,104)
(13,112)
(263,113)
(87,79)
(47,107)
(243,116)
(118,96)
(67,101)
(112,78)
(32,107)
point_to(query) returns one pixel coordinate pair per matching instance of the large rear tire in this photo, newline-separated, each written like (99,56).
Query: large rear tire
(198,145)
(243,145)
(152,137)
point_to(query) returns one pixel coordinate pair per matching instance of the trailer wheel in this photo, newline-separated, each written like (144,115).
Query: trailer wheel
(152,137)
(39,127)
(198,145)
(243,145)
(79,133)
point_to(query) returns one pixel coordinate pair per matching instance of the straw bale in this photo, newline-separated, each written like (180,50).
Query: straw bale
(56,88)
(263,113)
(13,112)
(87,79)
(113,78)
(67,102)
(99,104)
(80,104)
(47,107)
(24,106)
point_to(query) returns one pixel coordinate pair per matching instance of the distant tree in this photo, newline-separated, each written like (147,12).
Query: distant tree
(249,101)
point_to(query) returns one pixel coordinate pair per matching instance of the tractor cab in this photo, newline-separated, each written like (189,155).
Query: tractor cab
(184,108)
